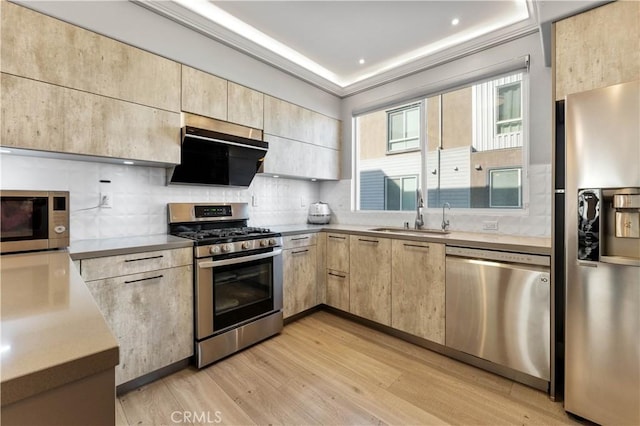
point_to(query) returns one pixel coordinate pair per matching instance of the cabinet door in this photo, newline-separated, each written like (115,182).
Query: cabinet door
(370,278)
(290,157)
(417,289)
(151,315)
(245,106)
(299,280)
(203,93)
(338,289)
(46,117)
(338,252)
(597,48)
(46,49)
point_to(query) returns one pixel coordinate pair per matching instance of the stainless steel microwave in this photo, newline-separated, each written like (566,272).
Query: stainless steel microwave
(33,220)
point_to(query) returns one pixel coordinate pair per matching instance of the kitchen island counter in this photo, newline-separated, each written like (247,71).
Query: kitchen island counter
(53,333)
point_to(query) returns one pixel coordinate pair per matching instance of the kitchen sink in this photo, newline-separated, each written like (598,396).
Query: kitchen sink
(411,231)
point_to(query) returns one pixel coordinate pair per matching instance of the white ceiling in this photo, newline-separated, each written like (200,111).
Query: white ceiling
(322,41)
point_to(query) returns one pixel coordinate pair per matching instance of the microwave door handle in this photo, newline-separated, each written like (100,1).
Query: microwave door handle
(225,262)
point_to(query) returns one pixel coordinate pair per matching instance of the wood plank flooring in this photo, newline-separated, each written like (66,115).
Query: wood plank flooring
(327,370)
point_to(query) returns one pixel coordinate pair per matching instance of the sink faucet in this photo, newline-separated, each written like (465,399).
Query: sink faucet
(419,223)
(445,223)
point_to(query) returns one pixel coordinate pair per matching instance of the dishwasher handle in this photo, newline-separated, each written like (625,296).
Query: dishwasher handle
(498,256)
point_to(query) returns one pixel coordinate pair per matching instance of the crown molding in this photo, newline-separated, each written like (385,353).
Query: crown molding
(198,23)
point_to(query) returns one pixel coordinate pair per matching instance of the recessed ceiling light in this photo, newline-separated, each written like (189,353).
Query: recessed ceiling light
(128,163)
(455,21)
(361,61)
(276,176)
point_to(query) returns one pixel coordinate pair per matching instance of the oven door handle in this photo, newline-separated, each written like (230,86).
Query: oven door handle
(215,263)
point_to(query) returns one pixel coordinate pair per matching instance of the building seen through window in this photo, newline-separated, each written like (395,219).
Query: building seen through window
(469,153)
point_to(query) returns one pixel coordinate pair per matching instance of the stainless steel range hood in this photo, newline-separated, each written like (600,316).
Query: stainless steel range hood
(217,153)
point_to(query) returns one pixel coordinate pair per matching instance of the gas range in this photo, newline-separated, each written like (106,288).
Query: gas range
(237,277)
(219,229)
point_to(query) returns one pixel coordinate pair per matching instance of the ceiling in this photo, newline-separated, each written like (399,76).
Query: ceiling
(323,42)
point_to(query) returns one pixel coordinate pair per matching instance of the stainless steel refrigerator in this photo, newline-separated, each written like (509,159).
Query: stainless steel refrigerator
(602,255)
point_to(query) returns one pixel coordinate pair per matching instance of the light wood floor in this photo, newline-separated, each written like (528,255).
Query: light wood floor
(327,370)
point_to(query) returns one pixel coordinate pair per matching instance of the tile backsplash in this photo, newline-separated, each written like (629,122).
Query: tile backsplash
(140,195)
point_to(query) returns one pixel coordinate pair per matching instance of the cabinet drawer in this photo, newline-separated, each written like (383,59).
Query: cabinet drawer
(126,264)
(301,240)
(338,289)
(338,252)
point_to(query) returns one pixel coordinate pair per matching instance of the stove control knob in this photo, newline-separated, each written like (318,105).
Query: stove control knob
(264,243)
(272,241)
(214,250)
(246,245)
(226,248)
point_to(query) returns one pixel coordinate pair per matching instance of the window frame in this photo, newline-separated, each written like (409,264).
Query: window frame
(520,119)
(402,178)
(404,109)
(520,192)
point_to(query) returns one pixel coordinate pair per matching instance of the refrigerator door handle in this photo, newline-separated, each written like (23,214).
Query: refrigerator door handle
(589,264)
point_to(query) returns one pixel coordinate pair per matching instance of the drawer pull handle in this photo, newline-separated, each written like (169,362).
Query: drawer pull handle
(144,258)
(337,275)
(300,252)
(144,279)
(368,241)
(301,238)
(337,238)
(416,245)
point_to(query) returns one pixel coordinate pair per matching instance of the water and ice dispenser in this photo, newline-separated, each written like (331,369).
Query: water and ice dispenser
(609,225)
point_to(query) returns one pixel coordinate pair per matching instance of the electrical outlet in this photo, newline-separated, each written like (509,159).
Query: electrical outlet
(490,225)
(106,200)
(303,203)
(254,200)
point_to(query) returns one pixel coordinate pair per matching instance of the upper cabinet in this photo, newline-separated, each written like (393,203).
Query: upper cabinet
(246,106)
(302,143)
(597,48)
(68,90)
(204,94)
(42,48)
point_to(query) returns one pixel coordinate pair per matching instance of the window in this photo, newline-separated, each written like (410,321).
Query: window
(509,108)
(400,193)
(403,128)
(505,188)
(466,147)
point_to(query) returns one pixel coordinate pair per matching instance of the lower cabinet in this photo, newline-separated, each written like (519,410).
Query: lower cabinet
(300,291)
(417,289)
(370,278)
(150,312)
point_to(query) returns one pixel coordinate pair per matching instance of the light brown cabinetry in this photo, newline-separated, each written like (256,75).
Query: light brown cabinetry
(204,93)
(246,106)
(68,90)
(597,48)
(370,278)
(46,49)
(418,289)
(302,143)
(147,300)
(337,272)
(47,117)
(299,259)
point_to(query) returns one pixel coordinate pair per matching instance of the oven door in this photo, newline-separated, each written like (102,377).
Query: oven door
(232,291)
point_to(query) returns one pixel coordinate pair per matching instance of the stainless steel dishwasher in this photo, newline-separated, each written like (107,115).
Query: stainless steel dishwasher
(498,308)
